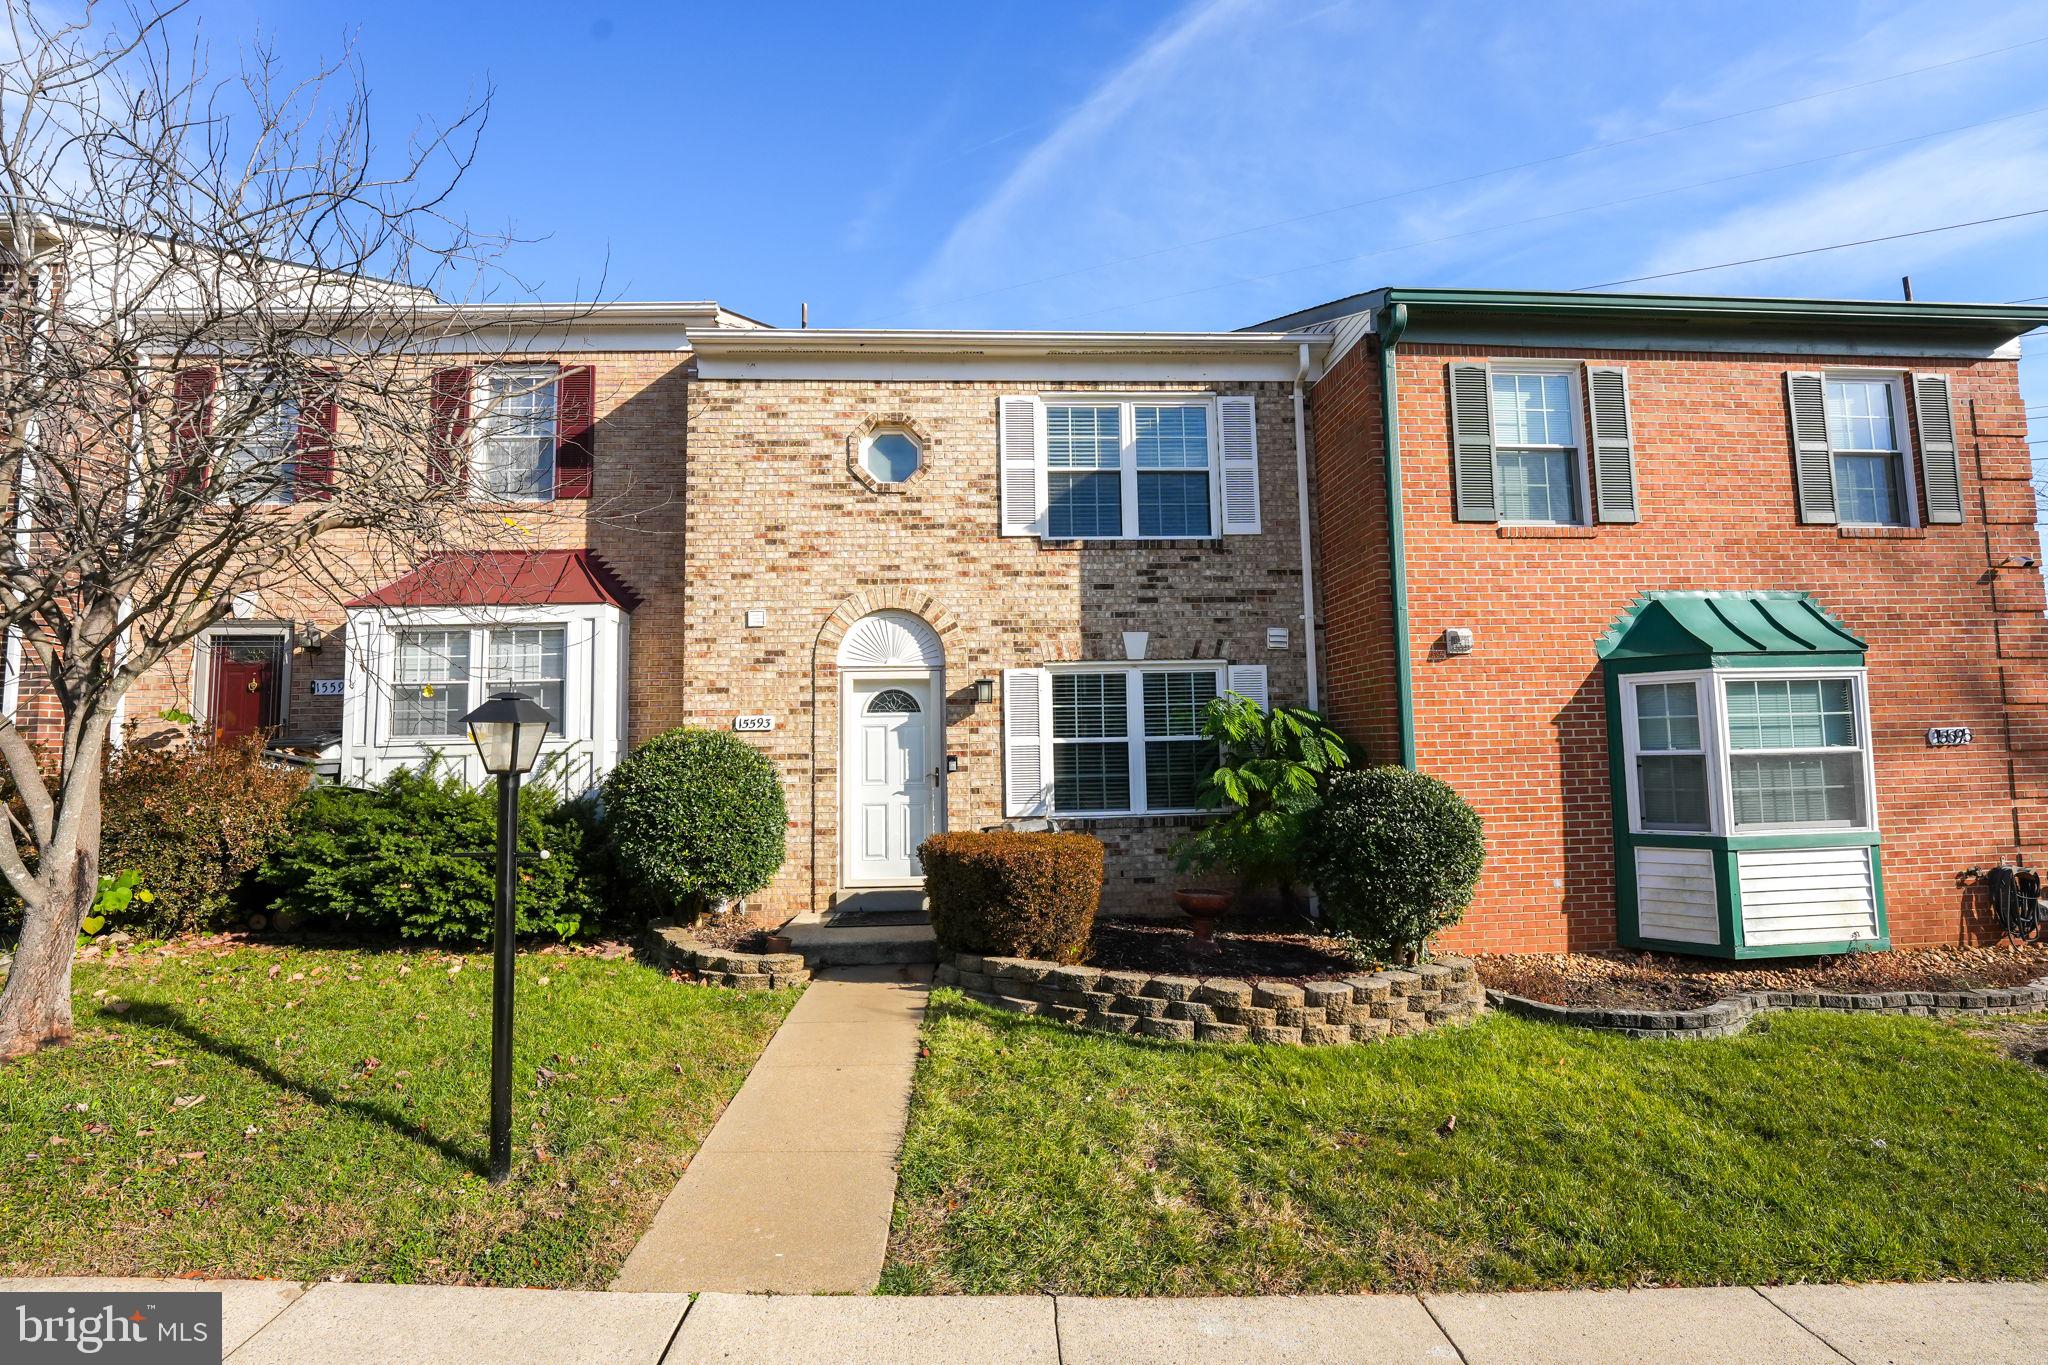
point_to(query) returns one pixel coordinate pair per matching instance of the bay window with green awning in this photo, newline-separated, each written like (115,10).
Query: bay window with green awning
(1739,751)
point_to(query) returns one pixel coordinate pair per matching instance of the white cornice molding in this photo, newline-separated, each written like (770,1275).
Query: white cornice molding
(832,353)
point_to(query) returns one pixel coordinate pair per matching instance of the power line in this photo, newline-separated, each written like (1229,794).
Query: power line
(1550,217)
(1815,250)
(1586,150)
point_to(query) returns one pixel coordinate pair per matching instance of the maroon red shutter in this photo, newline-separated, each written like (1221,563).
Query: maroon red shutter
(575,430)
(448,433)
(318,410)
(191,426)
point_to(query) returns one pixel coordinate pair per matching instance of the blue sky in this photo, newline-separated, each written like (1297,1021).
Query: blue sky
(1137,166)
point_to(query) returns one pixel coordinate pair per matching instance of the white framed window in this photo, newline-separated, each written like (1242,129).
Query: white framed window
(1868,455)
(1128,741)
(436,681)
(512,436)
(1796,754)
(1130,469)
(263,465)
(430,683)
(1748,751)
(1539,456)
(1671,756)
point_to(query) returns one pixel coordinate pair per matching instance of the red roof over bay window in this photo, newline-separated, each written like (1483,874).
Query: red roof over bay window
(507,578)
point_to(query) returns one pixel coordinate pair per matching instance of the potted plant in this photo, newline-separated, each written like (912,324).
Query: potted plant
(1270,772)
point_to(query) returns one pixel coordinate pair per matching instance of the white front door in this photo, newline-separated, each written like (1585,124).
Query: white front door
(892,778)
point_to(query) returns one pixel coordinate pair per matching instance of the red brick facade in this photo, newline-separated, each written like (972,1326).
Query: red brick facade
(1519,725)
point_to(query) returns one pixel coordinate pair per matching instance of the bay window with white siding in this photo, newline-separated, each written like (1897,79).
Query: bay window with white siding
(414,673)
(1742,757)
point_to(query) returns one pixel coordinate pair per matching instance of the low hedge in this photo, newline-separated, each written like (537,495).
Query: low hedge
(192,821)
(1394,855)
(415,856)
(1013,895)
(696,818)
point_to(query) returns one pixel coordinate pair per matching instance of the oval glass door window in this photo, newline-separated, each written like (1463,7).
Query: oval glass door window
(892,456)
(895,701)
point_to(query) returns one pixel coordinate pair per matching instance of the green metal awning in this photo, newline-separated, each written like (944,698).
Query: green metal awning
(1723,629)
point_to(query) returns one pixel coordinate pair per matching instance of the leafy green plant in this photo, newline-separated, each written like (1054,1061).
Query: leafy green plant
(1270,777)
(696,818)
(115,894)
(192,821)
(415,856)
(1394,855)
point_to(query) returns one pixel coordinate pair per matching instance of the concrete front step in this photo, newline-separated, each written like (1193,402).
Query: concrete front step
(826,945)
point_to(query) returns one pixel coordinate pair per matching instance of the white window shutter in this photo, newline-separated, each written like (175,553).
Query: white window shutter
(1237,428)
(1940,464)
(1027,741)
(1248,681)
(1021,436)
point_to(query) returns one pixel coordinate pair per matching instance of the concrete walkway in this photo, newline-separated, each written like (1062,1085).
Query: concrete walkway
(362,1324)
(791,1192)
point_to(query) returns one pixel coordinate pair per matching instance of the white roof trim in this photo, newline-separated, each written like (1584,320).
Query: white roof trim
(808,353)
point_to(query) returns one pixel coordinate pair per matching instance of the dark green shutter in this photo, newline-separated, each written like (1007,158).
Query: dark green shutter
(1614,458)
(1813,467)
(1940,466)
(1472,442)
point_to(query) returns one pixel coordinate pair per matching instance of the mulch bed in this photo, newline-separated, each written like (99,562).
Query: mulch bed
(747,933)
(1246,949)
(1659,981)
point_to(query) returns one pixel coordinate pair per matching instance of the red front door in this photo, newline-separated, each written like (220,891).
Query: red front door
(246,698)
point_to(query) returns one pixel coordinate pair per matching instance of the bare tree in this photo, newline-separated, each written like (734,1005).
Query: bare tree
(221,303)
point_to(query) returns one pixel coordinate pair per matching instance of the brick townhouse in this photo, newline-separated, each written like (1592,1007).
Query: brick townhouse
(1725,613)
(1694,598)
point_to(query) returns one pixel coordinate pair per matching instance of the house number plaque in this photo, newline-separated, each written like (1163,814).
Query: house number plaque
(326,687)
(1948,736)
(753,724)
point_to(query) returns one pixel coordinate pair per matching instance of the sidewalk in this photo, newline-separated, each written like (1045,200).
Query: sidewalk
(364,1324)
(791,1191)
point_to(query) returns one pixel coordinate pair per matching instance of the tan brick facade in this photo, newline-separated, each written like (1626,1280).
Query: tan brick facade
(1519,725)
(777,520)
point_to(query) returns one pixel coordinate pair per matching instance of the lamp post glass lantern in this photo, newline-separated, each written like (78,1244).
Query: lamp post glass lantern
(508,730)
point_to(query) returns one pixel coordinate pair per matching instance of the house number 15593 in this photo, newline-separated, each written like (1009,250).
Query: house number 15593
(1948,736)
(753,723)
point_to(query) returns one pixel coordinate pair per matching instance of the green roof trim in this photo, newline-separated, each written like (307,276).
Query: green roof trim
(1523,306)
(1717,629)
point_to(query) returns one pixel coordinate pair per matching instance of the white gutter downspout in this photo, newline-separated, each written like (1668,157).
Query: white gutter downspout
(1308,569)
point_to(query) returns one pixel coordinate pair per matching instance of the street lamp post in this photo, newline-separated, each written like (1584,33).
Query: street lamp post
(508,730)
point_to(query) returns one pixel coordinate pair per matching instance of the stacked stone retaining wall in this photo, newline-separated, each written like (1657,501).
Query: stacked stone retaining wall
(1357,1009)
(671,946)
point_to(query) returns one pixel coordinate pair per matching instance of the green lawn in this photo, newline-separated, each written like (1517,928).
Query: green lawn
(1814,1146)
(300,1114)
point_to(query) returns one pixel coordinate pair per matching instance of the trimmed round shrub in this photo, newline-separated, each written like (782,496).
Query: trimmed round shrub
(1013,895)
(1394,855)
(416,855)
(191,822)
(696,818)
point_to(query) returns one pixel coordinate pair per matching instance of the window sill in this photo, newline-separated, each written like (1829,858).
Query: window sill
(1136,820)
(1546,532)
(1148,542)
(1881,532)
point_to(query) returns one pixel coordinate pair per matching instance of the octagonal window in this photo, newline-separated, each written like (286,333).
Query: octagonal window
(891,456)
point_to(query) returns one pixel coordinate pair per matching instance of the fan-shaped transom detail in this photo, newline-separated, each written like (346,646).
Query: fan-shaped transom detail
(891,639)
(895,701)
